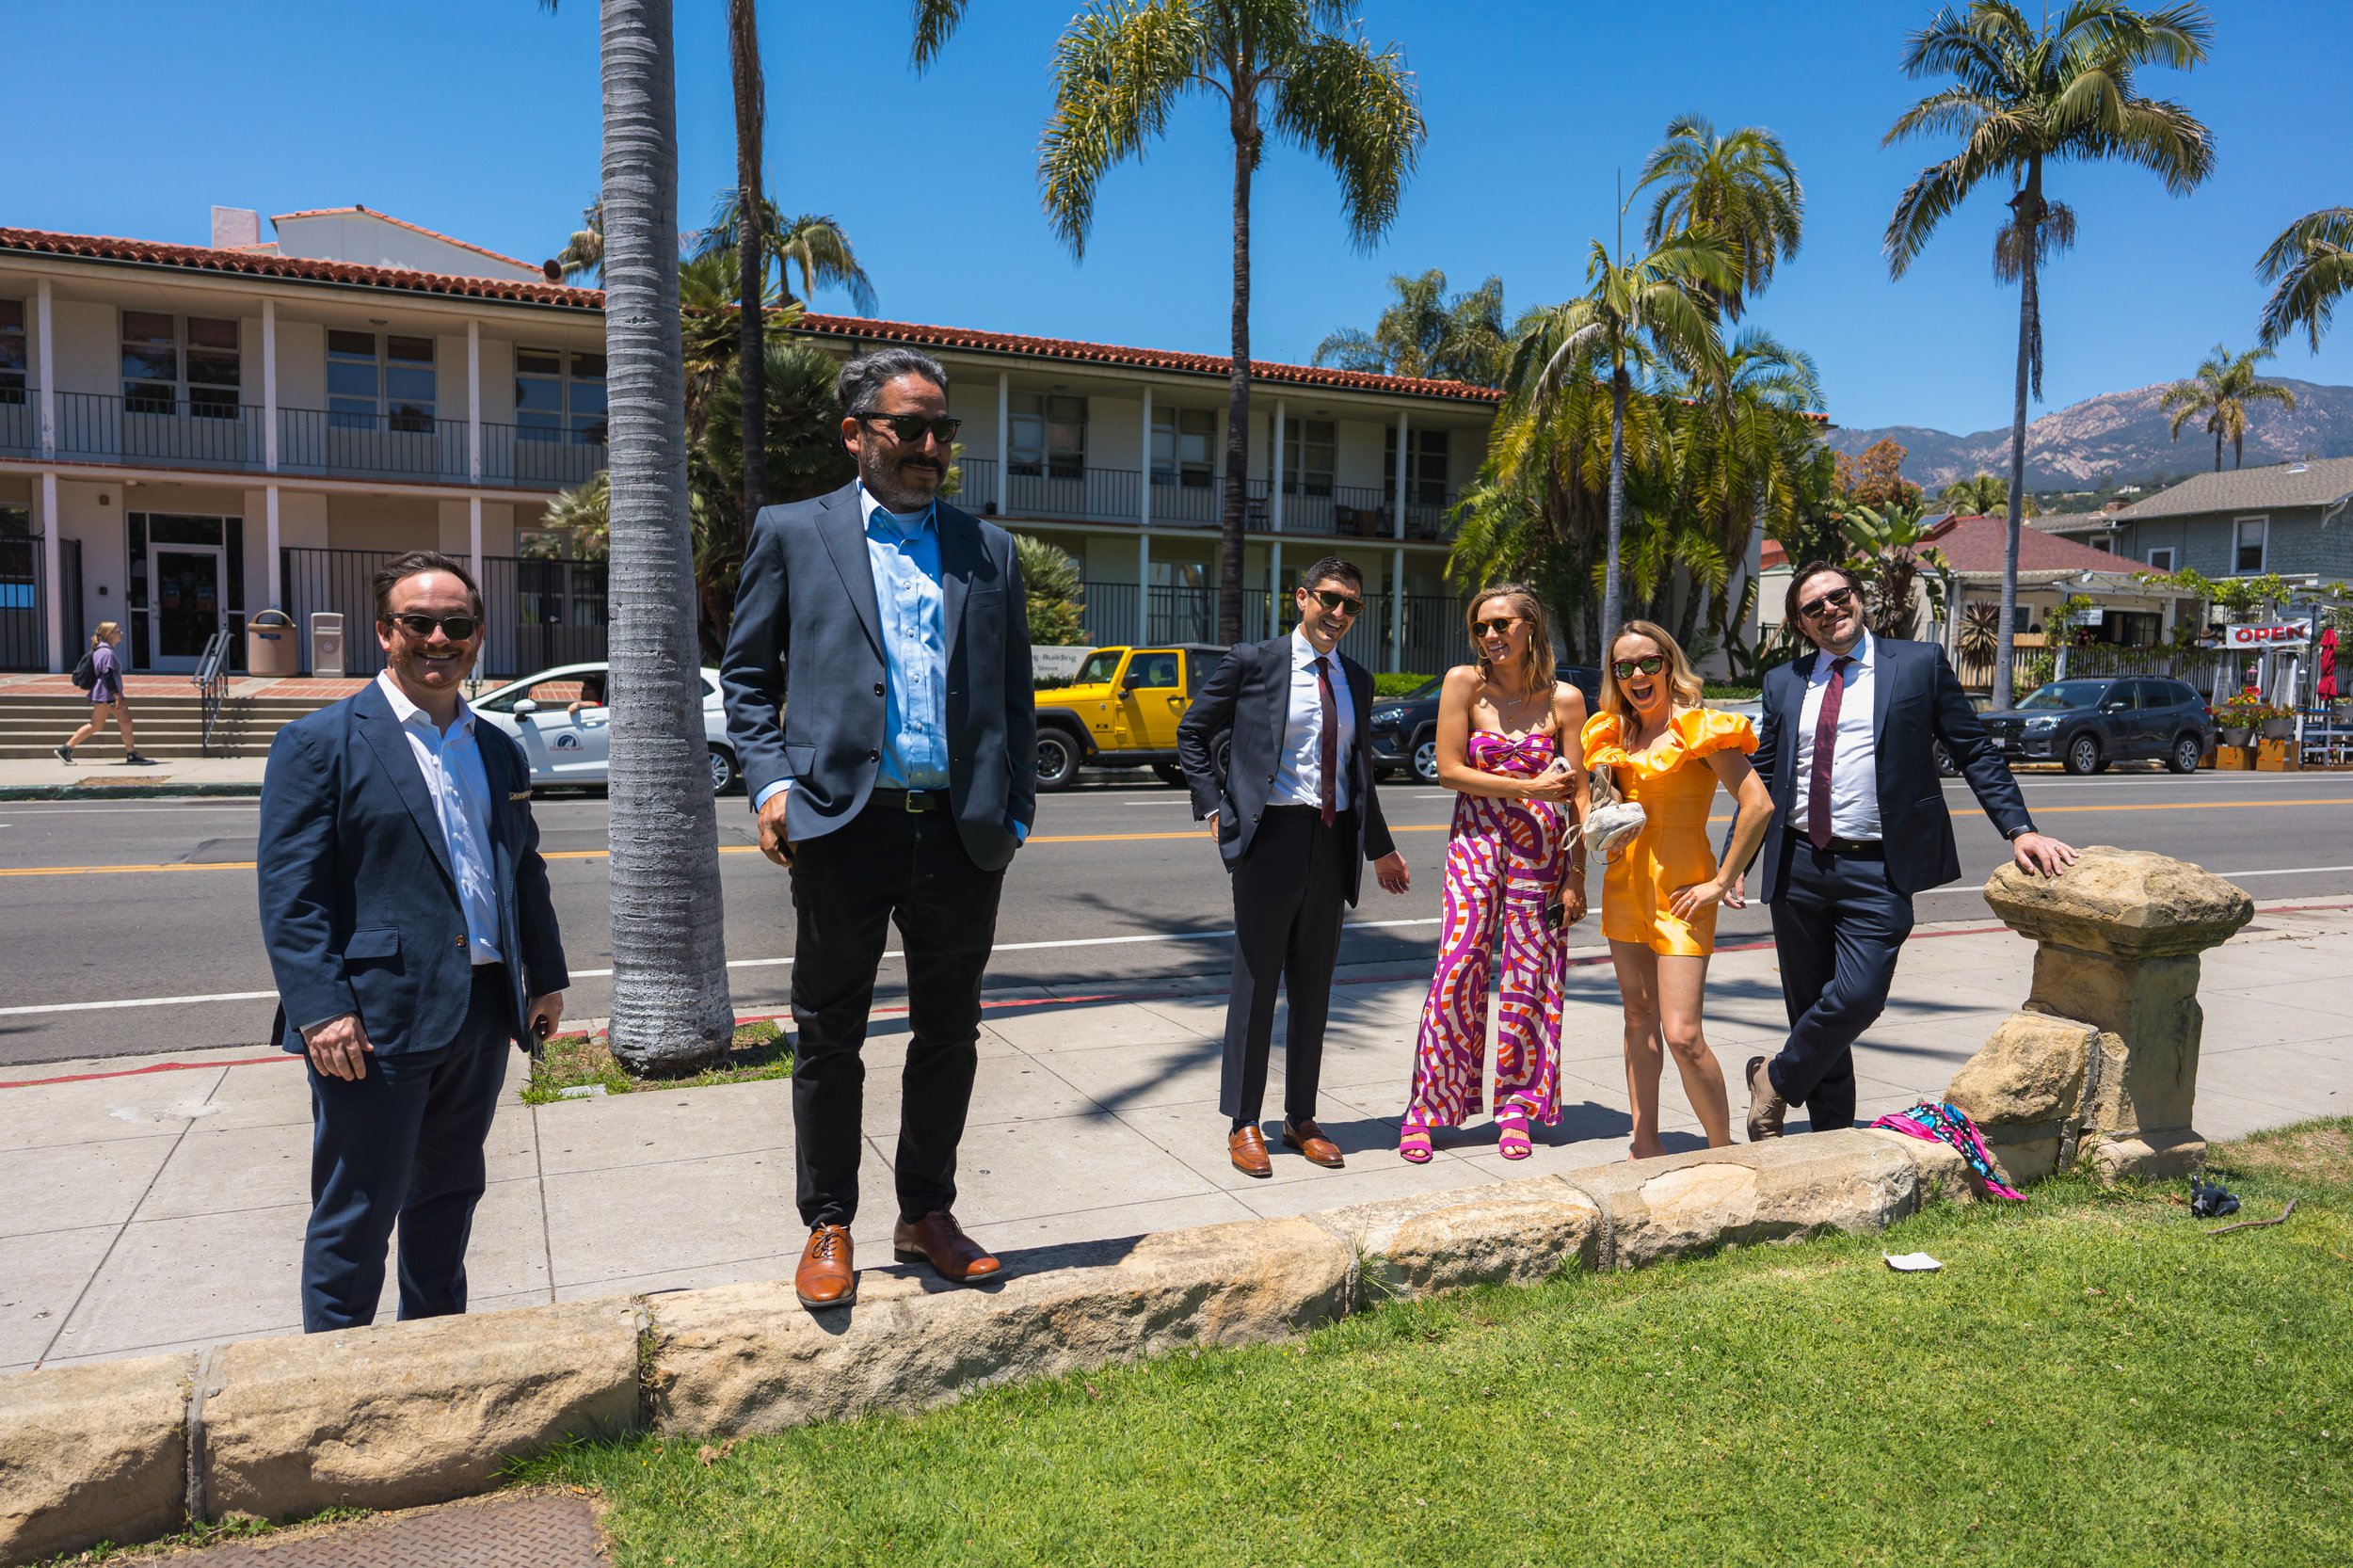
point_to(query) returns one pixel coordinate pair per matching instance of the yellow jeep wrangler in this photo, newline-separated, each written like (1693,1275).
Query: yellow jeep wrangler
(1121,712)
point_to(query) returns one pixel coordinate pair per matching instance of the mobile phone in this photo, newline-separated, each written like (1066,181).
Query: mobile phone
(1556,915)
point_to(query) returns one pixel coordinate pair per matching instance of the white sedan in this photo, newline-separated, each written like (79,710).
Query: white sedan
(559,717)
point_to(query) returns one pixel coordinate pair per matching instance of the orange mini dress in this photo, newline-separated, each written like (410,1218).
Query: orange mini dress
(1675,788)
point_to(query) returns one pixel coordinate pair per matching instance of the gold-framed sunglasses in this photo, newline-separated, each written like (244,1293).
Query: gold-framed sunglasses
(1650,663)
(1494,626)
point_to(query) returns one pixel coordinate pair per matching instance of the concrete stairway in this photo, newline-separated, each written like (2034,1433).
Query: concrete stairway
(166,726)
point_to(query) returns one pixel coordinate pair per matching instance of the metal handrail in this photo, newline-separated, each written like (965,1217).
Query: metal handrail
(211,681)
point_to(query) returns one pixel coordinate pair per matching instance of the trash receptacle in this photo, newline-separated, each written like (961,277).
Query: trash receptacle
(327,643)
(270,648)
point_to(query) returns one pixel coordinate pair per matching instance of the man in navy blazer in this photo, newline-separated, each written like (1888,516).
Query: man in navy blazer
(406,910)
(1859,826)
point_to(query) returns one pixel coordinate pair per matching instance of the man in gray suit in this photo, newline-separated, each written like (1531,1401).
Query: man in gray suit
(878,692)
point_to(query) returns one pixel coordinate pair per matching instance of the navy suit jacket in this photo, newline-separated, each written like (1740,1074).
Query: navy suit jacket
(360,909)
(1915,698)
(804,672)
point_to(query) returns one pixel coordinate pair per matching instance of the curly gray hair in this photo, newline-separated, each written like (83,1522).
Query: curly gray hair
(860,386)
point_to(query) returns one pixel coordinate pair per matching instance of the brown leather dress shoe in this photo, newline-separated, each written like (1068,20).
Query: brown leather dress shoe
(938,1240)
(1246,1147)
(826,1277)
(1308,1139)
(1768,1111)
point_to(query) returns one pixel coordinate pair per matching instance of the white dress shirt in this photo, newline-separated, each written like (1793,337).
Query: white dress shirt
(1299,778)
(1854,783)
(450,762)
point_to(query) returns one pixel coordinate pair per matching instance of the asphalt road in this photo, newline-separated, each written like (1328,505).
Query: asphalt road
(108,905)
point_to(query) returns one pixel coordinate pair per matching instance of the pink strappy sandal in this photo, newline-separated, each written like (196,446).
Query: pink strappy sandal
(1512,1135)
(1413,1145)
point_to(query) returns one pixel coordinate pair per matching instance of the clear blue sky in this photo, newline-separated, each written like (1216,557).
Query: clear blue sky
(480,117)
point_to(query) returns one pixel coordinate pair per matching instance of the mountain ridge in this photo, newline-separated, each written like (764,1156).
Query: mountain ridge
(2118,438)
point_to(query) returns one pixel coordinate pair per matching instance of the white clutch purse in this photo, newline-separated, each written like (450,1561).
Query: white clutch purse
(1611,822)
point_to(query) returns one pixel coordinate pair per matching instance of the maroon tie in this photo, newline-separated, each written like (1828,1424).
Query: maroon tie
(1326,786)
(1825,743)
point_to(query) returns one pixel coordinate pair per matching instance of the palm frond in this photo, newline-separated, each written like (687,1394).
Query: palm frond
(1358,110)
(2311,265)
(935,22)
(1118,71)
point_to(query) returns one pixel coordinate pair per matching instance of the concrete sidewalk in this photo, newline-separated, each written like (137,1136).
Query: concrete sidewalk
(158,1202)
(98,770)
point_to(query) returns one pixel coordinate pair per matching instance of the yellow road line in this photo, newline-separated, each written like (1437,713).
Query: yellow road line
(1127,838)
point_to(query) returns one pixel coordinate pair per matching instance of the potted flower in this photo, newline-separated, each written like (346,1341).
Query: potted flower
(2237,718)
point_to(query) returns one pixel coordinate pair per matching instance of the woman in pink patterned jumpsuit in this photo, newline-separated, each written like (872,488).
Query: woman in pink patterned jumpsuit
(1508,862)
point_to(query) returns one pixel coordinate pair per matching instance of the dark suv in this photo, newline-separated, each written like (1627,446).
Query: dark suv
(2087,725)
(1405,730)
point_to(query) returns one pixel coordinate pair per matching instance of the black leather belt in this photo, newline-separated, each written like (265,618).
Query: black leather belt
(911,800)
(1862,849)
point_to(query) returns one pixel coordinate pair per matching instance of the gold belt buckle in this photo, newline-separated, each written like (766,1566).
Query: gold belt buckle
(916,802)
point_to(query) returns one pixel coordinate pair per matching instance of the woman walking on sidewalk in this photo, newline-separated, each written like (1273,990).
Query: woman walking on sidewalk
(1510,877)
(106,699)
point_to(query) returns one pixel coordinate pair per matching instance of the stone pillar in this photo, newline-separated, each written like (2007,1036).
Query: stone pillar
(2100,1064)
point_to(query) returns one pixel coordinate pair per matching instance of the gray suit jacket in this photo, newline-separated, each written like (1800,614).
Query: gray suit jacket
(804,672)
(1250,694)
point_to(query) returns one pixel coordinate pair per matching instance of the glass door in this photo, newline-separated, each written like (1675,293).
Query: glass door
(184,584)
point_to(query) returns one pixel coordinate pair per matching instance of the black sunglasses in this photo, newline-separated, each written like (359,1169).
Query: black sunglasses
(1839,597)
(1347,603)
(1650,663)
(456,628)
(1495,626)
(909,428)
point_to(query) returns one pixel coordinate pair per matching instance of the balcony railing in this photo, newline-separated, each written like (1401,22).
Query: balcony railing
(1192,501)
(230,437)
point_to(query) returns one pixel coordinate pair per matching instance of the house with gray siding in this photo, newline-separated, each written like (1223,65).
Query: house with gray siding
(2292,518)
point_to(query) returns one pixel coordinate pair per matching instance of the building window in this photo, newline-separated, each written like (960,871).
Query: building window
(1184,445)
(157,377)
(1048,436)
(1425,465)
(1310,448)
(2103,544)
(2161,558)
(380,383)
(559,396)
(12,359)
(2253,534)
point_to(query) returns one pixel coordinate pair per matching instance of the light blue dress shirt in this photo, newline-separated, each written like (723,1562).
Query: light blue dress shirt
(450,762)
(1299,771)
(904,554)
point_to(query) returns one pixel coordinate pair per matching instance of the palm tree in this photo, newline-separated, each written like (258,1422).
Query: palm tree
(751,113)
(1280,66)
(1428,334)
(812,244)
(1742,186)
(2024,98)
(670,1003)
(584,253)
(1979,496)
(1650,312)
(2311,264)
(1757,434)
(2224,385)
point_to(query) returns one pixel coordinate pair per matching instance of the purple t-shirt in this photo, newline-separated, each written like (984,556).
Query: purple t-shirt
(108,668)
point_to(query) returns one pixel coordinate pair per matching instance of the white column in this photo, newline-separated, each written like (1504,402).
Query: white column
(1144,490)
(270,427)
(1143,587)
(1004,444)
(277,565)
(1275,590)
(1396,609)
(52,553)
(474,536)
(1401,473)
(1274,485)
(474,430)
(47,370)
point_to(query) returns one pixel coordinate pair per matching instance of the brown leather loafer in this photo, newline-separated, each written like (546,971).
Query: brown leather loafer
(826,1277)
(938,1240)
(1308,1139)
(1768,1111)
(1246,1146)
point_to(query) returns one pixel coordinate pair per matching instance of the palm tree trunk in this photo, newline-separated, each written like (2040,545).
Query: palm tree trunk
(752,264)
(2027,308)
(2217,449)
(1611,619)
(670,1003)
(1245,123)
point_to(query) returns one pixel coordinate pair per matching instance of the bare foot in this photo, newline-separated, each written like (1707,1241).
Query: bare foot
(1637,1152)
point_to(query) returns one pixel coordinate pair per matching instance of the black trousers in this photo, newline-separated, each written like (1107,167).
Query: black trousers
(403,1143)
(1290,891)
(1838,928)
(886,864)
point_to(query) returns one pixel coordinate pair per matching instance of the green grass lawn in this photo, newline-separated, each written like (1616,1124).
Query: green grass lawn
(2091,1380)
(576,1061)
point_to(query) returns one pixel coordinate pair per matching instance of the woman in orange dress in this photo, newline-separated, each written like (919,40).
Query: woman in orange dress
(1667,751)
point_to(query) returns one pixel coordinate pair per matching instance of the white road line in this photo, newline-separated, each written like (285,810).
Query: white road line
(732,964)
(2285,870)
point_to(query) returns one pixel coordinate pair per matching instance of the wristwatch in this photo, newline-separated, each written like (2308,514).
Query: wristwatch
(2020,834)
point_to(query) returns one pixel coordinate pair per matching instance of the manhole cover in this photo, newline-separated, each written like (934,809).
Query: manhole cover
(523,1532)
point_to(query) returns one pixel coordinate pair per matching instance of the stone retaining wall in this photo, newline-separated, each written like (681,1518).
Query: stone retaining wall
(406,1413)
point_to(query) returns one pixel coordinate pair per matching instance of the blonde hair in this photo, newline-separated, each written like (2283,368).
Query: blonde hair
(1536,665)
(106,629)
(1683,682)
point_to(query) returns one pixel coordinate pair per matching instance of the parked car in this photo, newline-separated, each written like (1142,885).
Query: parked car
(1405,730)
(1122,712)
(2088,723)
(567,747)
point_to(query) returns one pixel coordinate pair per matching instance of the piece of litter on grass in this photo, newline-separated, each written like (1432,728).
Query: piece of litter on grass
(582,1092)
(1912,1262)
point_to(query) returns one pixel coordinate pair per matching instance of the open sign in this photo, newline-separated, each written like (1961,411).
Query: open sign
(2294,634)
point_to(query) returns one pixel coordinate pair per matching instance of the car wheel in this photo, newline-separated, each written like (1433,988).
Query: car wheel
(1426,757)
(722,770)
(1944,765)
(2083,755)
(1169,774)
(2187,750)
(1057,759)
(1222,755)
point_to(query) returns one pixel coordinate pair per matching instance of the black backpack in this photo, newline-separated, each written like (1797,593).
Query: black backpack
(86,673)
